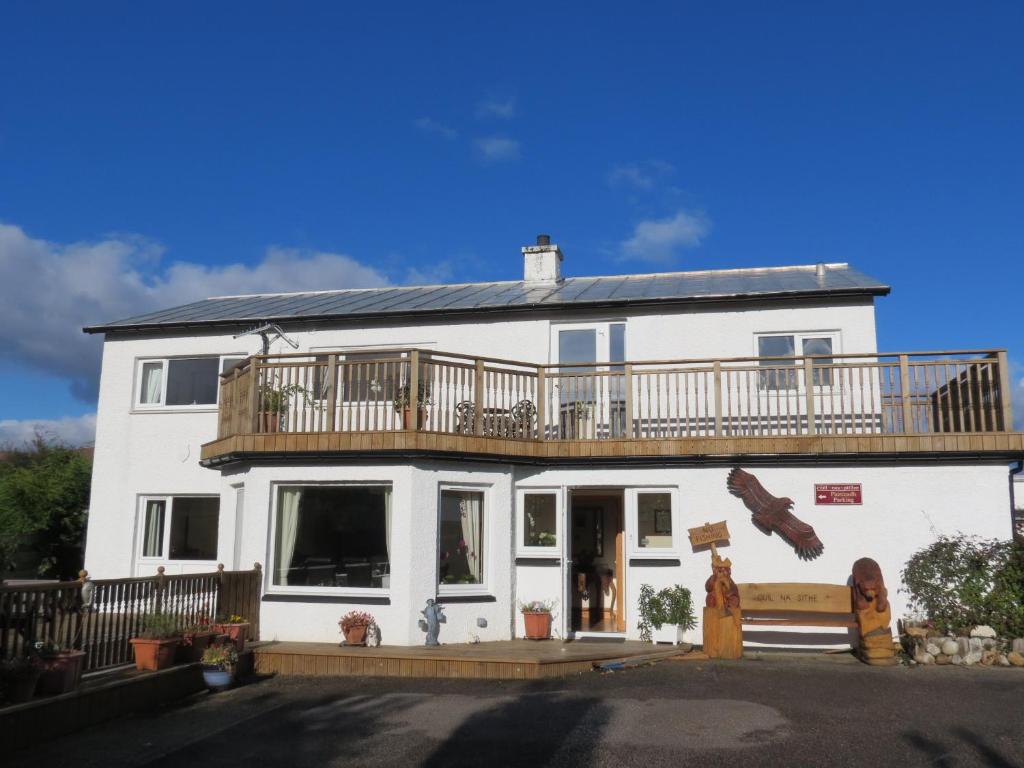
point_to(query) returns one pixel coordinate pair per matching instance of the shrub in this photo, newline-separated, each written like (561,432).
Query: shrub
(672,605)
(962,581)
(159,626)
(223,655)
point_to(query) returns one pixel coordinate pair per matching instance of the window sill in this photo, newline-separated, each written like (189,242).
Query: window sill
(339,592)
(466,597)
(174,409)
(551,553)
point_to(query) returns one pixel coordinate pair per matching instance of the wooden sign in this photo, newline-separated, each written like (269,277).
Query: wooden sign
(709,533)
(838,493)
(824,598)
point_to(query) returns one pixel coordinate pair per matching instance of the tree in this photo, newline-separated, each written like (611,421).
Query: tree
(44,498)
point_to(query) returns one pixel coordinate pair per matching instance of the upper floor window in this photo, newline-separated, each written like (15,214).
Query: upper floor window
(181,382)
(783,374)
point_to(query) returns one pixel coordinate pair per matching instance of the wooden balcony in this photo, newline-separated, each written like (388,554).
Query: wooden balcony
(426,401)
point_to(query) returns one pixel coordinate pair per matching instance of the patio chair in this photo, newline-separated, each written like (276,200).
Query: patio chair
(523,414)
(465,418)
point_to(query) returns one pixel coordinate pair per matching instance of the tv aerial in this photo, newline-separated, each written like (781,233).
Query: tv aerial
(268,332)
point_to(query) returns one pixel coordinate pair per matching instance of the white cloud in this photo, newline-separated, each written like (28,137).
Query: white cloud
(500,108)
(638,175)
(659,240)
(48,291)
(74,431)
(497,149)
(430,125)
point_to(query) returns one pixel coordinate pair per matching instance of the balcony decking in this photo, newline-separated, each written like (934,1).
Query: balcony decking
(846,405)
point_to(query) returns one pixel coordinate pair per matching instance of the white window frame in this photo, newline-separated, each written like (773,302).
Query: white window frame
(137,403)
(168,500)
(279,589)
(798,345)
(524,550)
(633,548)
(482,589)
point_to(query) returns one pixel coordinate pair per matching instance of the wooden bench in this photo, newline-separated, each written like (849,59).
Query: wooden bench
(819,605)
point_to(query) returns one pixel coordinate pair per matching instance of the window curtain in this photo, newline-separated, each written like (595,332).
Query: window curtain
(152,381)
(469,512)
(153,542)
(287,530)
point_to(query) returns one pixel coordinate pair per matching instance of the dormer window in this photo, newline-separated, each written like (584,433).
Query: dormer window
(181,382)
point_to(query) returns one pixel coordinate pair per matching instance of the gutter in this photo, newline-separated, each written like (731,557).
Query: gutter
(504,309)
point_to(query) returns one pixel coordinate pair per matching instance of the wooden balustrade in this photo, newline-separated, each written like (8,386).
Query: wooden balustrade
(429,391)
(101,616)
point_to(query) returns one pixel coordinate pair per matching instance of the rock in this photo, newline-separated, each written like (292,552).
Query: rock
(949,647)
(989,643)
(924,658)
(974,643)
(1015,658)
(988,658)
(917,631)
(944,659)
(957,659)
(933,649)
(1018,645)
(972,658)
(1003,661)
(932,632)
(983,630)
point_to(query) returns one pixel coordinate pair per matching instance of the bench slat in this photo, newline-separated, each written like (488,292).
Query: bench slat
(808,622)
(796,597)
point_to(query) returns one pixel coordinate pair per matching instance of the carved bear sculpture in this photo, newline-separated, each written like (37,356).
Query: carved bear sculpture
(868,586)
(871,605)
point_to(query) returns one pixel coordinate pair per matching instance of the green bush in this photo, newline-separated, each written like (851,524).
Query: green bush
(961,581)
(672,605)
(160,626)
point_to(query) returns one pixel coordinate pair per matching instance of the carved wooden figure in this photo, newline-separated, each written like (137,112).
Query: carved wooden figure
(723,635)
(772,513)
(874,615)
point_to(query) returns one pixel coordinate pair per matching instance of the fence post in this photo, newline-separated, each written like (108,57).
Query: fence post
(478,397)
(718,397)
(627,382)
(542,402)
(1005,398)
(812,429)
(330,394)
(908,415)
(254,405)
(254,604)
(414,390)
(161,585)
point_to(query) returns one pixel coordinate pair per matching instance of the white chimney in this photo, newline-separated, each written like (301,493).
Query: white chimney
(542,263)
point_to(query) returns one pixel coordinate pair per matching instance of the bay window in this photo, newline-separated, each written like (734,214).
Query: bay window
(332,537)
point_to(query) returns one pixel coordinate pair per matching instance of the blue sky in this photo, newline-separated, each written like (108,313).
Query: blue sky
(151,155)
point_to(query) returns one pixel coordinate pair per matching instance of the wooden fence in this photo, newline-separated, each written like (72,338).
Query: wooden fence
(101,616)
(868,394)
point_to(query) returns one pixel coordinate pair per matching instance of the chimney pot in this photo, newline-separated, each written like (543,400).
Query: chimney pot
(543,239)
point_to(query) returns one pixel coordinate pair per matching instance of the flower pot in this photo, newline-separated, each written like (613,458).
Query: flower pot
(421,418)
(538,625)
(23,687)
(192,646)
(237,633)
(356,635)
(269,421)
(218,678)
(151,655)
(61,673)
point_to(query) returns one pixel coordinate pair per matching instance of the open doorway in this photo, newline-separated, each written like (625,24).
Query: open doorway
(597,564)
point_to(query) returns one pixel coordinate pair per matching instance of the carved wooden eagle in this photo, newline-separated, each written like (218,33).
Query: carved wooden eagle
(772,513)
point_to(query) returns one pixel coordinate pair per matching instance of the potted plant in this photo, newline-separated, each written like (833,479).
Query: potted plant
(156,644)
(672,606)
(354,626)
(19,676)
(219,665)
(537,618)
(274,399)
(236,628)
(195,638)
(403,406)
(61,667)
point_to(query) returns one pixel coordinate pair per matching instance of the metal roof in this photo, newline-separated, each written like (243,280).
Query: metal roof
(472,298)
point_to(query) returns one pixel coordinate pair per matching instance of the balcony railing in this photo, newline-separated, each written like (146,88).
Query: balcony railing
(910,393)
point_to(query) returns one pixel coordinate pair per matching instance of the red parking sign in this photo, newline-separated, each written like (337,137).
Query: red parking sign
(837,493)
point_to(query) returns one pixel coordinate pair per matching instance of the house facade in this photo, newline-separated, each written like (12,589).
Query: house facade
(551,439)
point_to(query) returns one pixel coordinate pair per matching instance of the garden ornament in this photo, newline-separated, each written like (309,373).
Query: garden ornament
(434,617)
(772,513)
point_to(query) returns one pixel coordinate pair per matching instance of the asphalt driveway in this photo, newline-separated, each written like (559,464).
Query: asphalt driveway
(781,712)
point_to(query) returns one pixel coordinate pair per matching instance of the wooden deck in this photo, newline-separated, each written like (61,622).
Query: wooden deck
(505,660)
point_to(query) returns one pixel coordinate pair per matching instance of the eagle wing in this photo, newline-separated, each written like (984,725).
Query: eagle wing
(798,533)
(755,497)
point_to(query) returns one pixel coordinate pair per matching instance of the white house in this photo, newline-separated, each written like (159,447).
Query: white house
(544,439)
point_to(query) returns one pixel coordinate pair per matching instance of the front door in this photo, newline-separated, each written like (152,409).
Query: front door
(596,563)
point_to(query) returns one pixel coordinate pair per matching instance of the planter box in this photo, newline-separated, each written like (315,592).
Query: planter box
(669,633)
(192,646)
(538,625)
(151,655)
(61,673)
(236,632)
(22,689)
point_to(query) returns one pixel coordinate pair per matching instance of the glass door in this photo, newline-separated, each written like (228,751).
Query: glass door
(590,398)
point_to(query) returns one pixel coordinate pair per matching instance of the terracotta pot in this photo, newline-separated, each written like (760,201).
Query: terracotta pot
(22,688)
(192,646)
(237,633)
(151,655)
(356,635)
(538,625)
(62,673)
(421,418)
(269,421)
